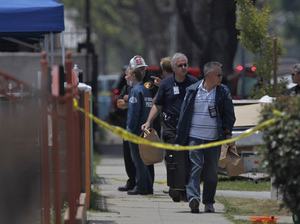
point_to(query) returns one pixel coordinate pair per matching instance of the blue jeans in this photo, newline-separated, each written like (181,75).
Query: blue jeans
(144,182)
(206,161)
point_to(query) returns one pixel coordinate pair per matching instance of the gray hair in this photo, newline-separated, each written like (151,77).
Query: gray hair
(297,68)
(208,67)
(177,56)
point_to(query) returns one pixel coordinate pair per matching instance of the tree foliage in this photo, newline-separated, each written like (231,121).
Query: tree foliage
(124,28)
(204,30)
(254,37)
(281,149)
(292,24)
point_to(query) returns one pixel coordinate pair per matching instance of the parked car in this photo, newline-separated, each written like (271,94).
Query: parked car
(116,115)
(251,79)
(105,85)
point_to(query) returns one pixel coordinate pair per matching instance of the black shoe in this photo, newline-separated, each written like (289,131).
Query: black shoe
(175,195)
(135,192)
(150,192)
(194,205)
(183,196)
(125,188)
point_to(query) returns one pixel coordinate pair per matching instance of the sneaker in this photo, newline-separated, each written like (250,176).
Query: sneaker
(194,205)
(209,208)
(166,190)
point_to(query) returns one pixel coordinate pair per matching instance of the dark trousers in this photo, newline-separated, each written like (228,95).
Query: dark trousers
(177,161)
(130,167)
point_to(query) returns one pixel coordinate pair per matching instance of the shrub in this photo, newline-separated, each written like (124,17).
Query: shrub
(281,149)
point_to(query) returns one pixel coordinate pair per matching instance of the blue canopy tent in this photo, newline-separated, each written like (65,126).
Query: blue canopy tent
(29,21)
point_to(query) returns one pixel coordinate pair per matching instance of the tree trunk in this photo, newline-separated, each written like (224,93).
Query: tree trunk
(213,32)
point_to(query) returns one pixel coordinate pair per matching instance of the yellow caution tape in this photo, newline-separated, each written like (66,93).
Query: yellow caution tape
(136,139)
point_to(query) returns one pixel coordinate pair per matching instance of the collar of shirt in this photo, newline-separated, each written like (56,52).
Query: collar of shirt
(201,87)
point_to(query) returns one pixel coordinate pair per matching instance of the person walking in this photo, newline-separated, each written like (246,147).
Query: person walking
(168,101)
(139,106)
(207,115)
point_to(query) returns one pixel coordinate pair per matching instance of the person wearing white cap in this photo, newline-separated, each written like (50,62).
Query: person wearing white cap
(139,105)
(136,62)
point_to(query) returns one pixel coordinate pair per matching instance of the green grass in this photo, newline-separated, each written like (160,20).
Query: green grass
(251,207)
(96,162)
(97,201)
(245,206)
(234,184)
(63,212)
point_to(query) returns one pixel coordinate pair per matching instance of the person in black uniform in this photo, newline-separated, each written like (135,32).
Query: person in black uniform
(129,165)
(168,101)
(136,62)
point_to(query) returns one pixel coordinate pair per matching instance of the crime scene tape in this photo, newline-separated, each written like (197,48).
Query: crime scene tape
(136,139)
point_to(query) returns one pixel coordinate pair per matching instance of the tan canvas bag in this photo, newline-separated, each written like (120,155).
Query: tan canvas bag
(150,154)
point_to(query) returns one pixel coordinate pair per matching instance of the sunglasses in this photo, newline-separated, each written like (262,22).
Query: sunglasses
(181,65)
(219,75)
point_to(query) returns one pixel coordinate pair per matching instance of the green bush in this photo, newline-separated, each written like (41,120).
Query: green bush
(281,149)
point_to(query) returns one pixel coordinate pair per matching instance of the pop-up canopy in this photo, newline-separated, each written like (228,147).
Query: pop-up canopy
(30,18)
(28,21)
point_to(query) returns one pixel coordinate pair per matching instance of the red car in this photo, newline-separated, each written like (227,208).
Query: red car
(116,115)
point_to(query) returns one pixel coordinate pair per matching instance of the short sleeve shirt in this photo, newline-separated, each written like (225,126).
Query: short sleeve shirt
(171,94)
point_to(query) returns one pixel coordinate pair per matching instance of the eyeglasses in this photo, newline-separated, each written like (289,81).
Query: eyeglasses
(219,75)
(181,65)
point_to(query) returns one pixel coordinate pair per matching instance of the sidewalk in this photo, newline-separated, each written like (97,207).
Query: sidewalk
(118,207)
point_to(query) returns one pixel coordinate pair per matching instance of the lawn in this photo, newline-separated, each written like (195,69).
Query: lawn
(248,207)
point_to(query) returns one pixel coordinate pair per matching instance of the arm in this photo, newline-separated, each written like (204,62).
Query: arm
(157,80)
(134,111)
(155,110)
(123,98)
(229,117)
(122,103)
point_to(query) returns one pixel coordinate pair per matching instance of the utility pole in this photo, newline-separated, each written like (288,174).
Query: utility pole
(88,37)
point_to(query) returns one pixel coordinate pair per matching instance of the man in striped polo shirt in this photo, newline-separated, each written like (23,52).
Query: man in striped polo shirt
(207,115)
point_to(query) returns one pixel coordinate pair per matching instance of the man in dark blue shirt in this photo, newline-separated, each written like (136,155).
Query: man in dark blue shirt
(168,101)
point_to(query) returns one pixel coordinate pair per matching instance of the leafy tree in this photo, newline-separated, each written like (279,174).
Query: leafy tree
(253,24)
(210,25)
(254,37)
(281,148)
(201,29)
(124,28)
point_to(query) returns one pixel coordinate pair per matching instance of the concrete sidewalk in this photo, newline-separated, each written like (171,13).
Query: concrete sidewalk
(118,207)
